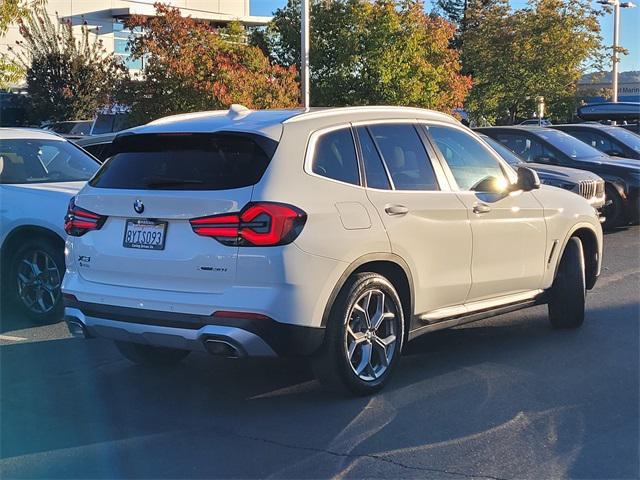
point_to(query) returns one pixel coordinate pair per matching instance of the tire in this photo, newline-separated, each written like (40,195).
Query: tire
(150,356)
(351,338)
(34,279)
(614,212)
(568,292)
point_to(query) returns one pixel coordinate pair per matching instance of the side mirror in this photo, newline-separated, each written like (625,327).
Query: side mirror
(527,180)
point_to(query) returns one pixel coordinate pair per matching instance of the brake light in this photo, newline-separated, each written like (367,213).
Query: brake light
(261,224)
(79,221)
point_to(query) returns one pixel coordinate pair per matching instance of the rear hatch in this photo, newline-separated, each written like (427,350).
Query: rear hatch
(149,190)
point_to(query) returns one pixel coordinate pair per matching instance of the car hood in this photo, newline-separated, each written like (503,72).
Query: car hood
(562,173)
(627,163)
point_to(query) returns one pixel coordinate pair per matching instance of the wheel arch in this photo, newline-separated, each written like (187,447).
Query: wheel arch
(24,232)
(592,253)
(389,265)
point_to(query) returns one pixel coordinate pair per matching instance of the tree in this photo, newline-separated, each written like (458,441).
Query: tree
(542,50)
(67,78)
(373,52)
(11,11)
(190,66)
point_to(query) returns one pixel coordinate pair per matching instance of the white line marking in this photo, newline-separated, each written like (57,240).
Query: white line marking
(11,338)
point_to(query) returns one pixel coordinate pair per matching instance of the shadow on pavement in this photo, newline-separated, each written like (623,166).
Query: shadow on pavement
(503,398)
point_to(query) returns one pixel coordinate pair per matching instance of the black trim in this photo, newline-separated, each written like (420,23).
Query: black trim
(457,320)
(284,339)
(371,257)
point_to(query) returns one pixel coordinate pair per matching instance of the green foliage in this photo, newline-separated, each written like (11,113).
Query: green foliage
(67,78)
(515,56)
(13,10)
(189,66)
(380,52)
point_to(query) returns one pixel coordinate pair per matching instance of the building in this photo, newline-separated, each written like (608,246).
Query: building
(592,85)
(105,19)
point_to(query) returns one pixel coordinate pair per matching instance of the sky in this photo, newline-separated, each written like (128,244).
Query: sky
(629,34)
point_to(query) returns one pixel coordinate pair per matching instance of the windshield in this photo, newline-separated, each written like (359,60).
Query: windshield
(43,161)
(510,157)
(568,145)
(630,139)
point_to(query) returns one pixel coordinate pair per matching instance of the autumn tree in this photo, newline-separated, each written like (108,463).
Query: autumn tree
(380,52)
(68,78)
(190,66)
(541,50)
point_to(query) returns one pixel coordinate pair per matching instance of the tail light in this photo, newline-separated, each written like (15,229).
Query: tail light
(262,224)
(79,221)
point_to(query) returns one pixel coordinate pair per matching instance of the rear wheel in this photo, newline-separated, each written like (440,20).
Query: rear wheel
(566,308)
(149,355)
(34,280)
(364,336)
(614,211)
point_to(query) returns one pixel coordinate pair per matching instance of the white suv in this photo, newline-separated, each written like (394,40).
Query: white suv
(335,233)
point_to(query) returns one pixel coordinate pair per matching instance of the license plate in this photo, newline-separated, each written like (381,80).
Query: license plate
(145,234)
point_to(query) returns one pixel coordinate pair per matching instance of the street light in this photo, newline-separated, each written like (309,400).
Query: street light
(617,5)
(304,53)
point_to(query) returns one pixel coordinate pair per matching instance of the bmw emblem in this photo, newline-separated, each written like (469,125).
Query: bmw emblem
(138,206)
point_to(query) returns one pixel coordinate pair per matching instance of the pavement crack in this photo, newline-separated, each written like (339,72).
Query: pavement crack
(365,455)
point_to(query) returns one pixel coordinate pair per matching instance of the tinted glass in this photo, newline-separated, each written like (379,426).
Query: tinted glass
(510,157)
(405,156)
(568,145)
(597,140)
(374,169)
(335,157)
(473,165)
(101,151)
(41,161)
(185,162)
(630,139)
(527,148)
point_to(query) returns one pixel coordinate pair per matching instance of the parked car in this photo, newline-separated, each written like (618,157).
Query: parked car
(581,182)
(71,129)
(616,111)
(100,146)
(335,233)
(39,173)
(552,147)
(536,121)
(609,139)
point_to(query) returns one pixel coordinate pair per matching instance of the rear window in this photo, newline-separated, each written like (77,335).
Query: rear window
(192,161)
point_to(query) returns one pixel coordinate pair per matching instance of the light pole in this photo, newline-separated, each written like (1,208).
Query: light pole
(304,54)
(617,5)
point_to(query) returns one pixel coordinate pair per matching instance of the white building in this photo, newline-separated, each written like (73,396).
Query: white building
(105,18)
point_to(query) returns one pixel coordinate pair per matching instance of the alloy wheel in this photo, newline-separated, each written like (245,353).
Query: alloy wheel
(370,336)
(39,282)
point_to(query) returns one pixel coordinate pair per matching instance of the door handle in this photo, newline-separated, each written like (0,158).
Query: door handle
(394,210)
(481,208)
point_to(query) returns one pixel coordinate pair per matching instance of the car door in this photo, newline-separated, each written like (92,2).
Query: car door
(598,140)
(426,222)
(509,230)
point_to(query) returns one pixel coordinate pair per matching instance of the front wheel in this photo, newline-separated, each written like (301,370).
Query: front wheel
(614,211)
(568,293)
(150,356)
(364,336)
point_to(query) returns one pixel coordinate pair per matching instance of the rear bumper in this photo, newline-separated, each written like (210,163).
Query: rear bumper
(248,337)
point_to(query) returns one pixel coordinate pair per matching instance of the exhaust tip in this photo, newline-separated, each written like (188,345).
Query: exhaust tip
(220,348)
(76,328)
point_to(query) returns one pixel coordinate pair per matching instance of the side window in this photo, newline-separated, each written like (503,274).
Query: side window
(335,157)
(405,156)
(473,166)
(524,146)
(373,167)
(599,141)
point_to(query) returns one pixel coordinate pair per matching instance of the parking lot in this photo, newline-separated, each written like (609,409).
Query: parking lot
(503,398)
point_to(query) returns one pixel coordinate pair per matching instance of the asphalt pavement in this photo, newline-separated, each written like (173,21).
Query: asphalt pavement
(504,398)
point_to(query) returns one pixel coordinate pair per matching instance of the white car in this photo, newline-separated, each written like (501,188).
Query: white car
(39,173)
(336,233)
